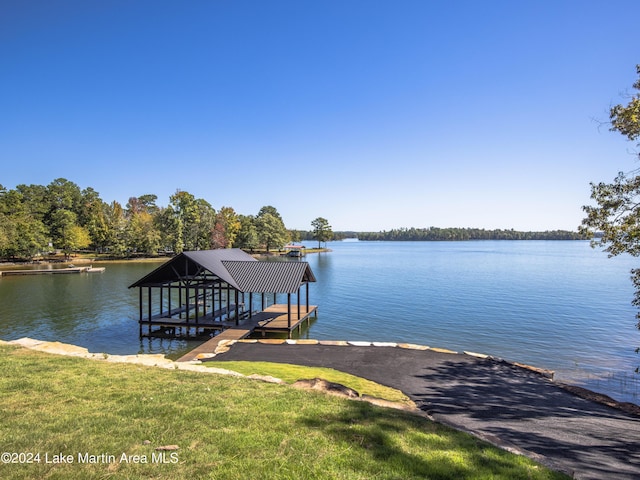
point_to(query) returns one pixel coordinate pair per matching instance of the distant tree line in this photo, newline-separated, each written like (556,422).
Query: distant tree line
(36,219)
(455,234)
(448,234)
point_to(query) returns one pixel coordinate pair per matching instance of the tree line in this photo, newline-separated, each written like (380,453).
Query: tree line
(460,234)
(36,219)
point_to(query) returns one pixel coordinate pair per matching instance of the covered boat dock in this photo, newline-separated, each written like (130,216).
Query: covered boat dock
(210,291)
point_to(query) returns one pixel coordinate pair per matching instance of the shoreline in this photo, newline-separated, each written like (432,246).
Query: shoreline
(160,360)
(141,259)
(80,261)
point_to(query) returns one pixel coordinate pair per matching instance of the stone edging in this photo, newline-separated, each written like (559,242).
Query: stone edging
(150,360)
(159,360)
(225,345)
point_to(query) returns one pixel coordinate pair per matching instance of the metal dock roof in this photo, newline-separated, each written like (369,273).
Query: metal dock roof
(235,267)
(269,277)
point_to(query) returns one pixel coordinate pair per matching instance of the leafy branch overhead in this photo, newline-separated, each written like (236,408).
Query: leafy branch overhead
(614,220)
(615,217)
(626,118)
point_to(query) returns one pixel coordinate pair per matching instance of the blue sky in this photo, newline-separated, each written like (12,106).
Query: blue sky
(372,114)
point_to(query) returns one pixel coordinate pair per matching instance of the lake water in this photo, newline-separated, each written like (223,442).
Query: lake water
(557,305)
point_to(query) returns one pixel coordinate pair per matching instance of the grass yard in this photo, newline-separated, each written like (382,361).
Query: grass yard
(291,373)
(106,420)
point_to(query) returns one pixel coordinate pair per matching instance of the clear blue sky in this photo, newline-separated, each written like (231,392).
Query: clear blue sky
(372,114)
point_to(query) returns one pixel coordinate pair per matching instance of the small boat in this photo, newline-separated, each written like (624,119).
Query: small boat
(94,269)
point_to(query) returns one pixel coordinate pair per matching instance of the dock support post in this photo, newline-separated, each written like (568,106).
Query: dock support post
(204,301)
(186,305)
(250,304)
(140,298)
(150,306)
(307,295)
(197,299)
(289,312)
(237,299)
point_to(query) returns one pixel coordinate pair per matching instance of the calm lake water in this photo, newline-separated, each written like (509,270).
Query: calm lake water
(557,305)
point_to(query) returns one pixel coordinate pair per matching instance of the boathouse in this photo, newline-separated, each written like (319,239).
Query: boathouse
(208,291)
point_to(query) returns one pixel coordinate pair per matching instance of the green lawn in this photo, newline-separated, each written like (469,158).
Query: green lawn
(291,373)
(225,428)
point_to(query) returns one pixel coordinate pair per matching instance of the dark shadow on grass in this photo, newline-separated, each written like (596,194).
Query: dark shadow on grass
(373,436)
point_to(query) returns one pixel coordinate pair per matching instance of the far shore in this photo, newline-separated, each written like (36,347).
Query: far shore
(81,261)
(84,259)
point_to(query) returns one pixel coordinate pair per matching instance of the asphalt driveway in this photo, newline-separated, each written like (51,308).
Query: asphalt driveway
(495,400)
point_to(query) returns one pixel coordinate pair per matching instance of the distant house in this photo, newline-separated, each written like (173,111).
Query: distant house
(211,290)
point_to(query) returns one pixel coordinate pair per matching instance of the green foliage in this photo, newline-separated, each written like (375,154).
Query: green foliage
(459,234)
(170,228)
(626,118)
(142,234)
(615,217)
(22,235)
(247,236)
(92,216)
(63,194)
(195,221)
(144,203)
(35,198)
(295,236)
(77,238)
(61,215)
(270,210)
(60,222)
(271,230)
(451,234)
(116,225)
(227,227)
(321,230)
(201,229)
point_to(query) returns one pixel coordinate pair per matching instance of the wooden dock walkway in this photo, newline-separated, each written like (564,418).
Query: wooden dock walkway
(275,318)
(208,347)
(272,319)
